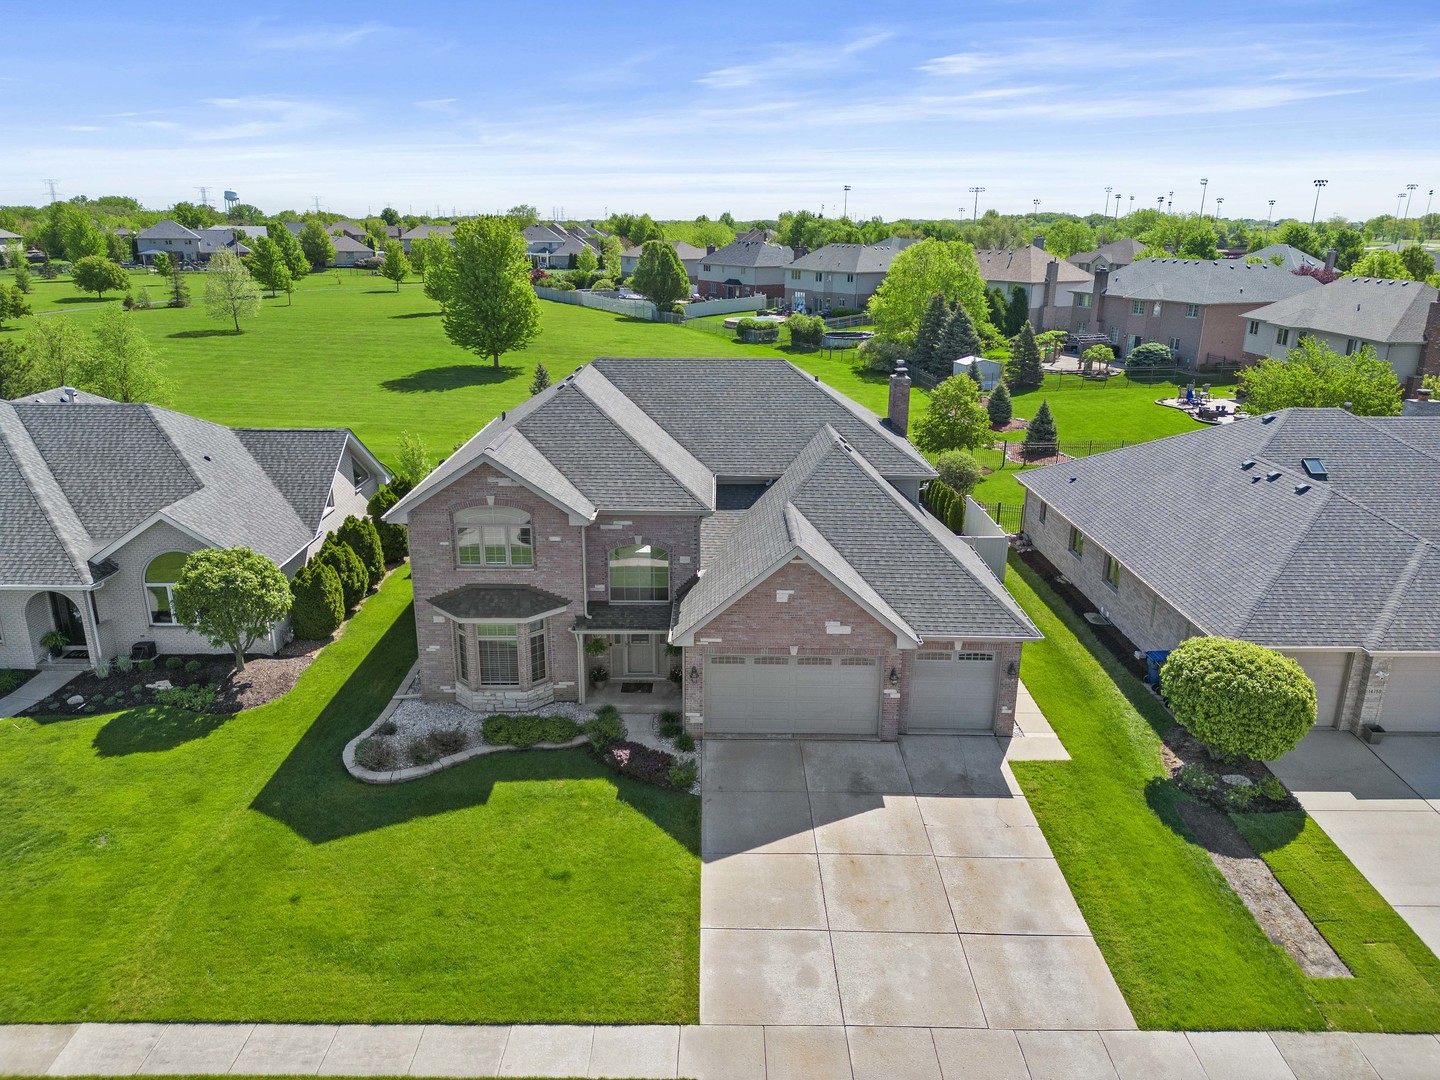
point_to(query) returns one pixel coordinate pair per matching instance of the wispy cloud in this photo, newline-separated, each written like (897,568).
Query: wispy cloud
(444,104)
(332,38)
(782,64)
(80,127)
(261,116)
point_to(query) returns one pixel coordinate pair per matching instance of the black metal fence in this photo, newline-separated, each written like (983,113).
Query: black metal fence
(1009,516)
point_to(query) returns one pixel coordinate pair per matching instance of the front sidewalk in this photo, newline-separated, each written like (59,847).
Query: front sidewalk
(706,1053)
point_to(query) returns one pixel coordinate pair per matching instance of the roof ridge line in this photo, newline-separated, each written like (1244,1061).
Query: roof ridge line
(1397,594)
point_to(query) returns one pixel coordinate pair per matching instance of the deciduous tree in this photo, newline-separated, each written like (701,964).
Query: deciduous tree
(395,267)
(13,304)
(1314,376)
(1067,236)
(162,263)
(268,266)
(917,274)
(233,597)
(660,275)
(97,274)
(955,419)
(230,291)
(317,245)
(492,308)
(123,366)
(58,349)
(290,248)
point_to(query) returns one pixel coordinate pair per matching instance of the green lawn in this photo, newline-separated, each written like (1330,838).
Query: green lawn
(363,356)
(1183,948)
(160,866)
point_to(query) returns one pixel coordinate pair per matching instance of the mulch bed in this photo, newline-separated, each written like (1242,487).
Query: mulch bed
(1179,748)
(1015,451)
(1116,643)
(640,761)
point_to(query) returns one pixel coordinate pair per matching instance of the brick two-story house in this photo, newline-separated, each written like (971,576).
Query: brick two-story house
(733,521)
(750,266)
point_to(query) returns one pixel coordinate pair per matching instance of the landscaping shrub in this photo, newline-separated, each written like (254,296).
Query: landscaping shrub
(449,741)
(999,407)
(683,774)
(394,541)
(882,356)
(354,579)
(360,535)
(670,723)
(685,742)
(421,750)
(1240,699)
(602,285)
(102,668)
(606,728)
(376,754)
(641,762)
(1197,780)
(198,698)
(387,727)
(11,680)
(756,332)
(1150,354)
(146,665)
(1239,798)
(524,732)
(805,329)
(123,664)
(958,471)
(174,663)
(192,667)
(1272,788)
(842,312)
(1097,356)
(319,604)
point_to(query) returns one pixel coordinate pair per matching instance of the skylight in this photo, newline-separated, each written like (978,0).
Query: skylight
(1314,468)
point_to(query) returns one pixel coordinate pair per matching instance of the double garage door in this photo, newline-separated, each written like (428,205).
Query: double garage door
(952,691)
(801,695)
(1412,695)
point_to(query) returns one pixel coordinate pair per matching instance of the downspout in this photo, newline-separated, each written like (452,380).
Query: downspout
(584,677)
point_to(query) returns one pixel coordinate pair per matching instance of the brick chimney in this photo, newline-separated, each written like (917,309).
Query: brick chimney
(1429,352)
(898,412)
(1047,296)
(1330,257)
(709,249)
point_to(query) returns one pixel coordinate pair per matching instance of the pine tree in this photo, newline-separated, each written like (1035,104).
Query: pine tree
(959,338)
(179,290)
(1029,374)
(1041,435)
(974,372)
(999,406)
(927,356)
(541,380)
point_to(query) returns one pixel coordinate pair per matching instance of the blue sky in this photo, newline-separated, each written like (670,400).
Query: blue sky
(680,109)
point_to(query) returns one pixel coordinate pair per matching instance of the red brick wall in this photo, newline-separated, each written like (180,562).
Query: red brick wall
(678,535)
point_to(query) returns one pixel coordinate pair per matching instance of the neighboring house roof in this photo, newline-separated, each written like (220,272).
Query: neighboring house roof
(687,252)
(6,235)
(545,231)
(1426,408)
(1292,258)
(348,227)
(834,511)
(1269,553)
(1024,265)
(422,232)
(345,243)
(87,475)
(751,253)
(1116,253)
(168,230)
(1206,281)
(849,259)
(1368,309)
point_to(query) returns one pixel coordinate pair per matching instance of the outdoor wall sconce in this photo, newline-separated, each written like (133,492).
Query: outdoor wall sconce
(894,677)
(1012,669)
(694,673)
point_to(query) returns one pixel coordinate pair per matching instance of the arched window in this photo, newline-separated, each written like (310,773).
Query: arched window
(493,536)
(639,573)
(160,578)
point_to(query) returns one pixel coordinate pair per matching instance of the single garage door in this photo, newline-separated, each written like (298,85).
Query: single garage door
(800,695)
(952,691)
(1328,671)
(1412,695)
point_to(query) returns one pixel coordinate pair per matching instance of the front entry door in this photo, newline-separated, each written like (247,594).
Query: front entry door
(640,654)
(67,618)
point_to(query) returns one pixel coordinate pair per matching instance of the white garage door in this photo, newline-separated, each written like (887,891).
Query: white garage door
(952,691)
(1328,671)
(801,695)
(1412,695)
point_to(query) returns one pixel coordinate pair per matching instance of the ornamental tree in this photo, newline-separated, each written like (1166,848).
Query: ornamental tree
(394,542)
(1150,354)
(97,274)
(491,308)
(354,579)
(958,470)
(360,535)
(1240,699)
(1314,376)
(395,267)
(230,291)
(231,596)
(919,272)
(955,419)
(999,407)
(660,275)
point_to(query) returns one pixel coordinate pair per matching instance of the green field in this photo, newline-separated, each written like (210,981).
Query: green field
(360,355)
(157,865)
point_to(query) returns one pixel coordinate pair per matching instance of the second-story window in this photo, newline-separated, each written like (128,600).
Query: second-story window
(639,574)
(493,536)
(1137,307)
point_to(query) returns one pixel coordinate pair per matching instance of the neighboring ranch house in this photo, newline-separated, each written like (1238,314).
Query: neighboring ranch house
(840,275)
(1400,320)
(748,267)
(554,247)
(1109,256)
(734,526)
(169,238)
(425,232)
(1050,286)
(1311,531)
(1192,305)
(348,252)
(1290,258)
(690,257)
(103,501)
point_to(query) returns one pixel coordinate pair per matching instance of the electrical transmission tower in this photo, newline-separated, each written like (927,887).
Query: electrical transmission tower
(204,195)
(51,185)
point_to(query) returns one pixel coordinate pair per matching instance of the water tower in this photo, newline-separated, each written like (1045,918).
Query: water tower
(230,200)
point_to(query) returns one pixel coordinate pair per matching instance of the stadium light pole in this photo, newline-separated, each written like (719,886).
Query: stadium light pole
(1204,186)
(975,211)
(1409,194)
(1269,218)
(1428,201)
(1319,184)
(845,213)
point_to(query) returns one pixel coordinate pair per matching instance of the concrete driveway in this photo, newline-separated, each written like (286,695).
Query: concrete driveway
(1381,806)
(887,885)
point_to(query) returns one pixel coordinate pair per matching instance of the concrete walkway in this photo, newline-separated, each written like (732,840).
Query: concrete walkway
(40,686)
(1381,806)
(709,1053)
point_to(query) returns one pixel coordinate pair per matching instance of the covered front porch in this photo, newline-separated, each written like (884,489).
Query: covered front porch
(629,645)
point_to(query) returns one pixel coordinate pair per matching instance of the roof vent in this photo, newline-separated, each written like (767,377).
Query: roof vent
(1073,479)
(1268,419)
(1247,464)
(67,394)
(1300,489)
(1273,475)
(1314,468)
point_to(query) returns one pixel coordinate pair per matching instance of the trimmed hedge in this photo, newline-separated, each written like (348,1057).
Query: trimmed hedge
(394,540)
(318,607)
(1240,699)
(341,557)
(523,732)
(359,533)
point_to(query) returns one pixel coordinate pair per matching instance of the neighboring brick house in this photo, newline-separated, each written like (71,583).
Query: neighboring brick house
(102,501)
(840,275)
(1192,305)
(1050,286)
(735,523)
(1400,320)
(1311,531)
(750,266)
(1109,256)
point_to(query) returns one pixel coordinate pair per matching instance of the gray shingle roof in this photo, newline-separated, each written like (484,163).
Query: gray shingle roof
(617,618)
(1370,309)
(345,243)
(518,602)
(849,259)
(750,418)
(1117,253)
(751,253)
(1243,555)
(684,250)
(82,476)
(1206,281)
(1292,257)
(168,230)
(1024,265)
(834,509)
